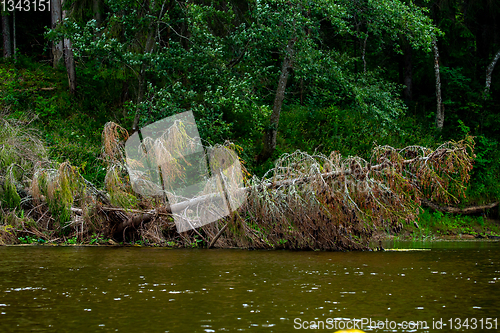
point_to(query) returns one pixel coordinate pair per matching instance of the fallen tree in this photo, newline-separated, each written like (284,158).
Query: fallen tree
(304,202)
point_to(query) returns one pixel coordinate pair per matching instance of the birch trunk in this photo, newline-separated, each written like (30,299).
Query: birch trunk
(57,46)
(363,52)
(439,99)
(272,131)
(69,58)
(489,71)
(7,47)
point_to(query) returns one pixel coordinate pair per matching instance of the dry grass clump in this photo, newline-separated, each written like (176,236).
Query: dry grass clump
(113,140)
(20,145)
(20,149)
(62,189)
(7,235)
(37,197)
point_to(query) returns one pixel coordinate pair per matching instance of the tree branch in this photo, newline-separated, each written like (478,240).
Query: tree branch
(455,210)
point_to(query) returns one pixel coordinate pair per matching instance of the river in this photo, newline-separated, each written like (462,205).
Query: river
(134,289)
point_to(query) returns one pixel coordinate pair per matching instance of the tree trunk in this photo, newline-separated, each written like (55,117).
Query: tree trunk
(133,222)
(140,95)
(489,71)
(7,48)
(408,75)
(142,81)
(363,52)
(272,131)
(57,46)
(14,34)
(69,58)
(148,48)
(97,9)
(439,100)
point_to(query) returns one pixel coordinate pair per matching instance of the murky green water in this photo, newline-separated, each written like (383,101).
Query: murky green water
(88,289)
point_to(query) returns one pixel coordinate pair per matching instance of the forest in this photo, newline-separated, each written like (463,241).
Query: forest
(352,119)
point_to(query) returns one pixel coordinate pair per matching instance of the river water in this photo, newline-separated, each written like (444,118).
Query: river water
(129,289)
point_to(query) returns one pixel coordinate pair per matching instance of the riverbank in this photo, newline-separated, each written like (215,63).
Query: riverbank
(439,226)
(430,227)
(304,202)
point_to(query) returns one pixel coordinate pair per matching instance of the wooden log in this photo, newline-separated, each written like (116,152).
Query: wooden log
(212,243)
(133,221)
(455,210)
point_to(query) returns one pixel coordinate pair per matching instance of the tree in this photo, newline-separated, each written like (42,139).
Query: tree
(439,99)
(147,43)
(379,17)
(97,11)
(243,68)
(57,45)
(69,58)
(489,71)
(407,71)
(272,131)
(14,38)
(7,47)
(292,28)
(311,201)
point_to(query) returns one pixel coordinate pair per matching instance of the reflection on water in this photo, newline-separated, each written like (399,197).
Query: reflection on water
(82,289)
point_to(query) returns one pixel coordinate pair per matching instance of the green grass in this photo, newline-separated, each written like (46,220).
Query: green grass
(437,224)
(71,126)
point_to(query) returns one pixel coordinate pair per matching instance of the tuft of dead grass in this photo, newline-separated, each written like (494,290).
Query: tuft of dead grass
(20,147)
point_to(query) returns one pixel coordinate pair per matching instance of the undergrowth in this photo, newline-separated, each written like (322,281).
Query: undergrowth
(438,224)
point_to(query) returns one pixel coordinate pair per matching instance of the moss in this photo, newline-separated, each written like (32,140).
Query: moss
(119,191)
(60,188)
